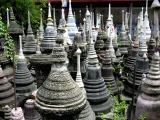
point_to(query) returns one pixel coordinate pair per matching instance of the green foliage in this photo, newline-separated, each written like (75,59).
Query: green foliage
(8,43)
(102,116)
(119,109)
(142,117)
(21,8)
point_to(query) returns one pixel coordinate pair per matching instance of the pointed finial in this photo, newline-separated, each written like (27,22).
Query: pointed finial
(93,26)
(49,10)
(109,12)
(123,26)
(41,20)
(21,55)
(147,6)
(70,6)
(7,17)
(63,15)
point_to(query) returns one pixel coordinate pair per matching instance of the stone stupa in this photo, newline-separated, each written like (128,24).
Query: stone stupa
(148,102)
(6,92)
(23,79)
(123,38)
(71,23)
(50,34)
(97,93)
(30,44)
(107,73)
(59,97)
(14,29)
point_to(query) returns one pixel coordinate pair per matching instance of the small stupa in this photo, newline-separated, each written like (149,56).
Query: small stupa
(30,112)
(14,29)
(23,78)
(71,23)
(50,34)
(107,73)
(148,102)
(6,91)
(30,44)
(123,38)
(97,93)
(87,113)
(59,97)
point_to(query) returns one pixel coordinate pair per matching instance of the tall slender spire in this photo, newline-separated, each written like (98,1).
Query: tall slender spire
(41,30)
(79,77)
(146,23)
(49,10)
(21,55)
(29,31)
(71,23)
(109,12)
(7,17)
(123,26)
(126,21)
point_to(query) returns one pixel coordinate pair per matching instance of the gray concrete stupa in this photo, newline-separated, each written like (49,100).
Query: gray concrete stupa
(140,67)
(14,29)
(148,102)
(23,79)
(59,97)
(123,38)
(50,34)
(97,93)
(6,92)
(71,23)
(107,73)
(30,44)
(30,112)
(87,113)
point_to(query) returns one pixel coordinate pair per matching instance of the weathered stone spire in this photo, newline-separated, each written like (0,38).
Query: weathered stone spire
(93,81)
(107,72)
(29,30)
(21,55)
(126,21)
(79,77)
(41,29)
(71,23)
(148,102)
(50,34)
(13,27)
(59,97)
(62,23)
(123,38)
(30,45)
(111,49)
(109,12)
(123,24)
(7,17)
(146,23)
(23,78)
